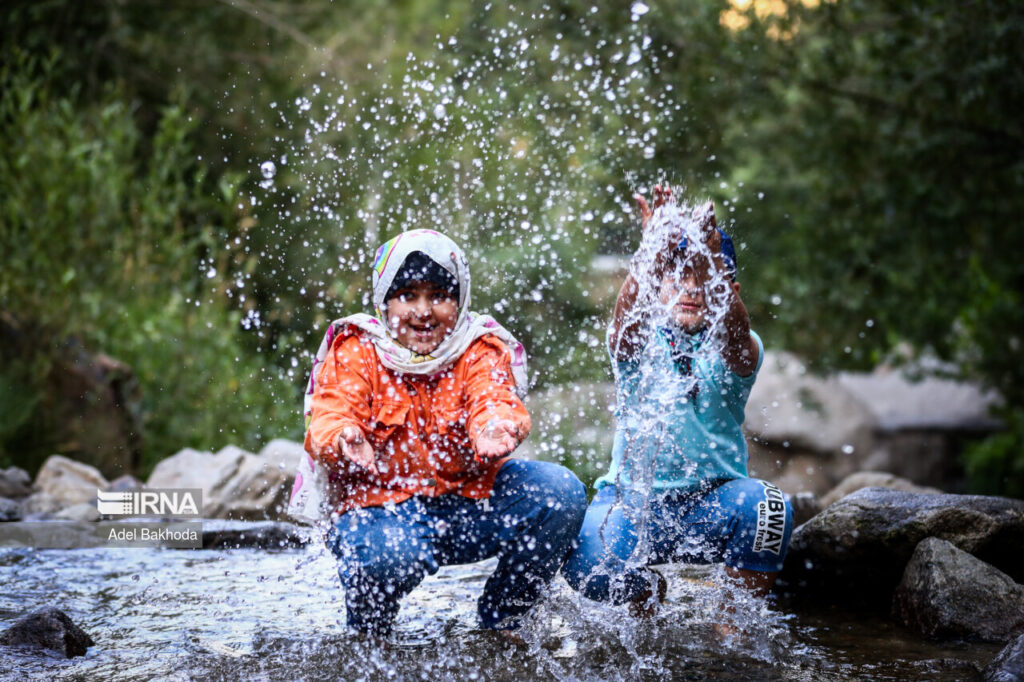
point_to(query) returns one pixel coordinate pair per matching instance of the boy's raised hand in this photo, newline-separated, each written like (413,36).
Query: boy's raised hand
(354,446)
(662,195)
(497,439)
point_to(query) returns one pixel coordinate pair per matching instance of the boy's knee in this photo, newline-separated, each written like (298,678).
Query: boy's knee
(765,525)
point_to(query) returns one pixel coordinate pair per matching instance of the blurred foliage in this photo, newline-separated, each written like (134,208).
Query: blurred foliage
(120,249)
(865,154)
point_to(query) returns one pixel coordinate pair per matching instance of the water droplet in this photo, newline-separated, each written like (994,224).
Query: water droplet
(268,169)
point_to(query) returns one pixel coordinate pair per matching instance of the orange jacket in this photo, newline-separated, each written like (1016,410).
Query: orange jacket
(420,427)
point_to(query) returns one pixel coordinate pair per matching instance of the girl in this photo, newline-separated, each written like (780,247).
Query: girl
(412,415)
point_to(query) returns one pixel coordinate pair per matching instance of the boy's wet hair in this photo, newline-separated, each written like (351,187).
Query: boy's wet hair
(728,252)
(419,267)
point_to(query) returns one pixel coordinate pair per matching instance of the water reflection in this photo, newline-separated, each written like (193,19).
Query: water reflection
(259,615)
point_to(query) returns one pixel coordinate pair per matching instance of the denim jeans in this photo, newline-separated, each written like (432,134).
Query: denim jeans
(530,523)
(745,523)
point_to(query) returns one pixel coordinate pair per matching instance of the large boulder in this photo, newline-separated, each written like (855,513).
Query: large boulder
(69,482)
(257,488)
(872,479)
(48,628)
(792,406)
(856,549)
(947,593)
(193,469)
(1008,665)
(15,483)
(236,484)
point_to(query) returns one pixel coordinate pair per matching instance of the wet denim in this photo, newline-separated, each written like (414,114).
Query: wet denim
(530,523)
(745,523)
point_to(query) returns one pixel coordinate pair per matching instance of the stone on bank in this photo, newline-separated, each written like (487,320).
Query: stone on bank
(948,594)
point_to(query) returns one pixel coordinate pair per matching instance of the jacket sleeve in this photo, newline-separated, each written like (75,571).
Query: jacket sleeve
(490,391)
(343,397)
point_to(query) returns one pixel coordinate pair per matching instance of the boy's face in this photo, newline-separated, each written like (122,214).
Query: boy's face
(684,292)
(422,314)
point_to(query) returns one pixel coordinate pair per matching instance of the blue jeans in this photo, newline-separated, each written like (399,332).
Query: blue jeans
(744,522)
(529,522)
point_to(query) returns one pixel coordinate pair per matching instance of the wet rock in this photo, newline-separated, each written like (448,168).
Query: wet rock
(9,510)
(83,511)
(48,628)
(69,482)
(1008,665)
(262,535)
(872,479)
(854,552)
(15,483)
(947,593)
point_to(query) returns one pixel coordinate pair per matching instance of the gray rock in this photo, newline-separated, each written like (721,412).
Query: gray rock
(125,482)
(947,593)
(41,505)
(789,404)
(9,510)
(83,511)
(15,483)
(872,479)
(856,549)
(931,402)
(48,628)
(236,484)
(805,507)
(69,482)
(1008,665)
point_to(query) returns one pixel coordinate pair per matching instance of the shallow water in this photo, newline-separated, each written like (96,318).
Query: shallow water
(279,615)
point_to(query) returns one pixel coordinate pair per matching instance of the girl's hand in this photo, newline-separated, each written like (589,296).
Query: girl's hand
(498,438)
(354,446)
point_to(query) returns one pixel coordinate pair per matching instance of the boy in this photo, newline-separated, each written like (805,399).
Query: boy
(685,360)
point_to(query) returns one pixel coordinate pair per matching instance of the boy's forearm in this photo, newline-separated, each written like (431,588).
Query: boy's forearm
(628,332)
(740,351)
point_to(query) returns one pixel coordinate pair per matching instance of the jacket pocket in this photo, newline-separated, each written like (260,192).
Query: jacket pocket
(390,415)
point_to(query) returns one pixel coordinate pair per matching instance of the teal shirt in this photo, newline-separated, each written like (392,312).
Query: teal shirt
(670,436)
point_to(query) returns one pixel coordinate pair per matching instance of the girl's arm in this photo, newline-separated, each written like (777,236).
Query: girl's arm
(342,408)
(497,421)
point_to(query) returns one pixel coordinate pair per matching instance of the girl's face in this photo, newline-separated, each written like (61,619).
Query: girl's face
(422,314)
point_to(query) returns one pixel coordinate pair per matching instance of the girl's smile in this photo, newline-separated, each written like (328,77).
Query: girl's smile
(421,315)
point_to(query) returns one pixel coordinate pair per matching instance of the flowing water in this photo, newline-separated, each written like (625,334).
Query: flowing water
(250,614)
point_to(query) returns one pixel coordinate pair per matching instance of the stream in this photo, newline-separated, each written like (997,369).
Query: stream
(251,614)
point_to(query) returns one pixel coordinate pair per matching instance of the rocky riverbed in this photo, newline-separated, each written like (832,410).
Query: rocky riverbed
(917,583)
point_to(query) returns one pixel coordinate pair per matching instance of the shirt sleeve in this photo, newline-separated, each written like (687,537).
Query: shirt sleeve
(490,391)
(343,397)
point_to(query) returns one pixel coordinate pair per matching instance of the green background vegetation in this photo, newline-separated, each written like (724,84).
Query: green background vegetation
(866,155)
